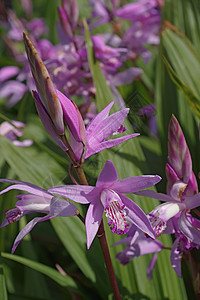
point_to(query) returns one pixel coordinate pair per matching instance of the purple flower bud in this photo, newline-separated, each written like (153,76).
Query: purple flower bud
(45,87)
(65,23)
(71,9)
(179,166)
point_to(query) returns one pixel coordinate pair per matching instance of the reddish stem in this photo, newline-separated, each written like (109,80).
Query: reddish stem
(104,247)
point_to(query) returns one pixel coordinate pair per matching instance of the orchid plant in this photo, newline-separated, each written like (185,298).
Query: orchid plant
(91,81)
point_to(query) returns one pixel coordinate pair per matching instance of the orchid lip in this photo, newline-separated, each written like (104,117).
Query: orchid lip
(115,212)
(160,215)
(13,214)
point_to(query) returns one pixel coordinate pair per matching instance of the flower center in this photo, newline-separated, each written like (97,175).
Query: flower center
(157,223)
(184,244)
(115,212)
(13,214)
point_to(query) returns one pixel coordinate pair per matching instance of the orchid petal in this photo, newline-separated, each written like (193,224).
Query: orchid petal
(155,195)
(99,118)
(108,175)
(25,186)
(105,129)
(175,258)
(35,203)
(78,193)
(97,146)
(137,183)
(192,202)
(189,230)
(126,77)
(137,216)
(72,118)
(8,72)
(93,221)
(62,207)
(24,143)
(151,266)
(27,229)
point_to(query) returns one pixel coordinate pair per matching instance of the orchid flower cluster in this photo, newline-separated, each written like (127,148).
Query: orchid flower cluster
(68,62)
(124,216)
(174,216)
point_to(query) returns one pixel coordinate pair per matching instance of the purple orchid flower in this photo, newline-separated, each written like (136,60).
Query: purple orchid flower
(174,206)
(138,244)
(99,129)
(38,200)
(12,133)
(146,20)
(108,196)
(182,245)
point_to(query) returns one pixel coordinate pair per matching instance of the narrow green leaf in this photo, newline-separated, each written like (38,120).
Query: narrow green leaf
(63,280)
(3,293)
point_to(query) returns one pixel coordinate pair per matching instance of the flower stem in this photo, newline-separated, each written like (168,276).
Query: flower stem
(104,247)
(101,233)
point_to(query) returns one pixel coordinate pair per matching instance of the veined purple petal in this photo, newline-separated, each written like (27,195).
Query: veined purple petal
(99,118)
(62,207)
(97,147)
(93,220)
(34,203)
(192,202)
(105,129)
(190,231)
(72,118)
(78,193)
(134,184)
(108,175)
(155,195)
(175,258)
(137,216)
(25,186)
(147,245)
(27,229)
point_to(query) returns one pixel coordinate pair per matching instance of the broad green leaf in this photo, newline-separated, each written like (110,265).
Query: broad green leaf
(3,293)
(192,100)
(129,161)
(63,280)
